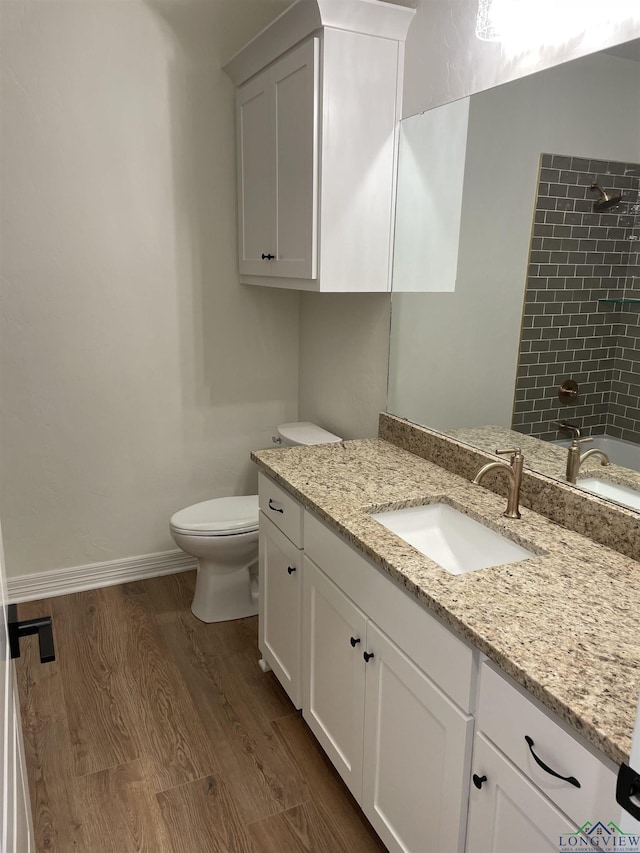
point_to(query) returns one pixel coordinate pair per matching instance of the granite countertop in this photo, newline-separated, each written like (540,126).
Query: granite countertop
(563,624)
(544,456)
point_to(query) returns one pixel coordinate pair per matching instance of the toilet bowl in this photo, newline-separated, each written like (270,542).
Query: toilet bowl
(223,534)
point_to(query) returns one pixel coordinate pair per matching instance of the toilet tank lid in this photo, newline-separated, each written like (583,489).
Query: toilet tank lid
(305,432)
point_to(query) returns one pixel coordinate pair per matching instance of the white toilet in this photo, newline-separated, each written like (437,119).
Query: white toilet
(223,534)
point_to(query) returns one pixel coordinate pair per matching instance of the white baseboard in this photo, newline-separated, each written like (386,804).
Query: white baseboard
(78,578)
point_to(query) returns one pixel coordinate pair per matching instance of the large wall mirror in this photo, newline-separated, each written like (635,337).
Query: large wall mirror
(513,274)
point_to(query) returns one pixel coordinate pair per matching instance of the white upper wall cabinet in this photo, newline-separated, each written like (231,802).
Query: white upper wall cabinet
(318,104)
(277,158)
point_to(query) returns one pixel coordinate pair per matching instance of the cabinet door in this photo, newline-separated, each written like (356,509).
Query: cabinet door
(256,174)
(417,750)
(509,813)
(334,673)
(277,117)
(295,99)
(280,567)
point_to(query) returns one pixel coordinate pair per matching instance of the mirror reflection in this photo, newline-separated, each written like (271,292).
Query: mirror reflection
(516,269)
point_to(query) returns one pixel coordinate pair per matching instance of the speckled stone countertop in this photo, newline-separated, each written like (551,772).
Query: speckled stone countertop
(563,624)
(544,456)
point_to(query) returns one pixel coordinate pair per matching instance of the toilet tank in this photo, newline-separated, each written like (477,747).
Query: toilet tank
(303,432)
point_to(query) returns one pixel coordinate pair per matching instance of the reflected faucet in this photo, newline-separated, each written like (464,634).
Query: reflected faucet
(574,457)
(514,473)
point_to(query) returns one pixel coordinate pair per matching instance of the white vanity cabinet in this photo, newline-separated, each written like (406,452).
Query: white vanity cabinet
(400,743)
(317,112)
(280,582)
(392,694)
(518,802)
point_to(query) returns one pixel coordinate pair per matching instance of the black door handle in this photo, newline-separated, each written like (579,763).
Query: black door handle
(274,508)
(41,626)
(291,569)
(367,656)
(570,779)
(478,780)
(268,257)
(354,642)
(628,786)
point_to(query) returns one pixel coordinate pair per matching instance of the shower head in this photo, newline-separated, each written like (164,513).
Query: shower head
(605,201)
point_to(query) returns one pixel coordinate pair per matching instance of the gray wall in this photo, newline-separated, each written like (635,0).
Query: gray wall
(445,61)
(136,372)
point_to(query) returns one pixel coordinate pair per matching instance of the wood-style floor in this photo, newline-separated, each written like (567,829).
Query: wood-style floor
(155,732)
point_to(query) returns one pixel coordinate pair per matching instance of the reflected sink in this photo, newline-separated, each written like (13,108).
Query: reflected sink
(450,538)
(612,491)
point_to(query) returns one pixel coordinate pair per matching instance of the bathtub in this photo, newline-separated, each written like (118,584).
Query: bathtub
(620,452)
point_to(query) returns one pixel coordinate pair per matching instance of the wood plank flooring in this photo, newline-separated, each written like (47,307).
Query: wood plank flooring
(155,732)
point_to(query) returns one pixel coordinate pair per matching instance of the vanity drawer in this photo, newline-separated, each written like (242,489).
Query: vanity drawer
(282,509)
(508,715)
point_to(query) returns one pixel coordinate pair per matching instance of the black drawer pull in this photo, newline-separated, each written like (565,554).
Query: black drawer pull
(274,508)
(478,780)
(291,569)
(570,779)
(628,786)
(367,656)
(354,642)
(268,257)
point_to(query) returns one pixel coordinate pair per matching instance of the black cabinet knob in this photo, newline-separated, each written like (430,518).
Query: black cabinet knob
(291,569)
(268,257)
(354,642)
(367,656)
(478,780)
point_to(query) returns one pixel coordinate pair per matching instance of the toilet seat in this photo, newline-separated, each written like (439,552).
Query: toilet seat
(218,517)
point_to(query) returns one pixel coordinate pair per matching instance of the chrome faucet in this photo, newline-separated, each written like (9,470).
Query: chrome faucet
(514,473)
(574,457)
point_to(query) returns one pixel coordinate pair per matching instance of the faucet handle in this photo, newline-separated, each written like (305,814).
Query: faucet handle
(514,451)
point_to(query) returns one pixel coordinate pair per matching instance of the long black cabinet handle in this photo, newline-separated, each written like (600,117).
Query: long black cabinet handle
(274,508)
(41,626)
(570,779)
(628,786)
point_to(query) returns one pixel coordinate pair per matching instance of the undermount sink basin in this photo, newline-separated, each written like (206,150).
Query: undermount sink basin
(612,491)
(450,538)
